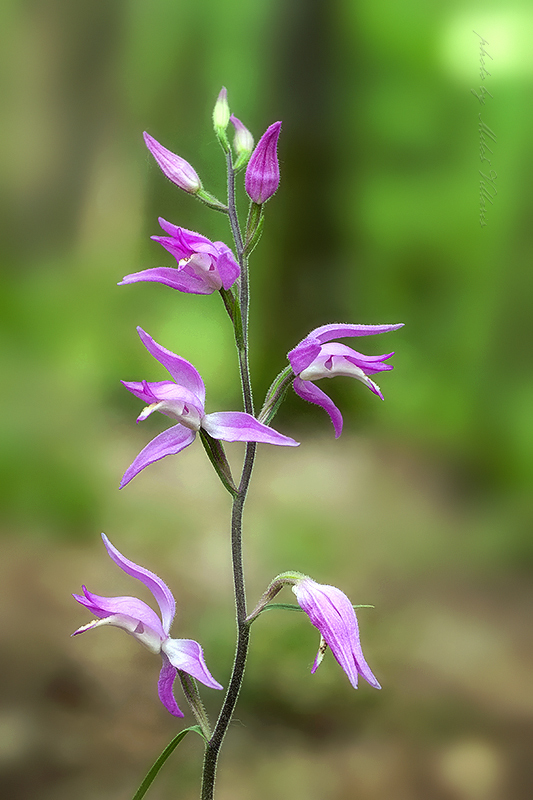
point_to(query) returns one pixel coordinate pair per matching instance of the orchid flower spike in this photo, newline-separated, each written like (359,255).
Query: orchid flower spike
(203,266)
(332,613)
(183,401)
(173,166)
(140,621)
(318,357)
(262,172)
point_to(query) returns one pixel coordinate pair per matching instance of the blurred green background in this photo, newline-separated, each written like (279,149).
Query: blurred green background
(423,507)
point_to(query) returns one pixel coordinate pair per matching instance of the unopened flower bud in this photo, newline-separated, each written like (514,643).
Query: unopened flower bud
(221,111)
(243,142)
(262,172)
(174,167)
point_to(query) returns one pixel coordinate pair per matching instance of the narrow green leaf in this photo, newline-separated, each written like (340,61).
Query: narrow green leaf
(293,607)
(284,606)
(158,763)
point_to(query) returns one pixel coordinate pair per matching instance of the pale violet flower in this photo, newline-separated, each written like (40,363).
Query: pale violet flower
(140,621)
(331,612)
(203,266)
(318,357)
(182,399)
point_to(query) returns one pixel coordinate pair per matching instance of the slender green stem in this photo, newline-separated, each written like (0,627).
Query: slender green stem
(190,690)
(232,207)
(243,628)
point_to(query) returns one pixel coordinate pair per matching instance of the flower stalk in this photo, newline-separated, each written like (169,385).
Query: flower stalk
(243,627)
(190,690)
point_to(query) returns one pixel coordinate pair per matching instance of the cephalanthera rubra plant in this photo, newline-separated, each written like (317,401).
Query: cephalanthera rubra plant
(204,267)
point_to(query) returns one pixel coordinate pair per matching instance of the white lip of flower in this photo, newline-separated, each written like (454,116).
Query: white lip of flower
(187,415)
(332,367)
(132,626)
(202,265)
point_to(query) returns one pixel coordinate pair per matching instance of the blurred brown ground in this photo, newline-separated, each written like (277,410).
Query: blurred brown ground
(449,639)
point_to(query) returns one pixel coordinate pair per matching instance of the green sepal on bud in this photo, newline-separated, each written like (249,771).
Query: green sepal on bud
(221,117)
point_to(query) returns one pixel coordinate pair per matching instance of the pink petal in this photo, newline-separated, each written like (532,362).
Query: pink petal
(303,354)
(228,269)
(170,276)
(369,364)
(132,607)
(308,391)
(157,391)
(168,443)
(336,330)
(189,241)
(158,587)
(236,426)
(181,370)
(145,391)
(187,655)
(167,676)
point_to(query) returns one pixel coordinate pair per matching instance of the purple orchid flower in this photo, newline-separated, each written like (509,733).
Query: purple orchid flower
(332,613)
(173,166)
(203,266)
(183,400)
(262,172)
(317,357)
(140,621)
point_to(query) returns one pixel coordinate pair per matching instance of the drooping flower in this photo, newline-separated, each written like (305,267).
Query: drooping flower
(139,620)
(318,357)
(332,613)
(203,266)
(183,400)
(173,166)
(262,172)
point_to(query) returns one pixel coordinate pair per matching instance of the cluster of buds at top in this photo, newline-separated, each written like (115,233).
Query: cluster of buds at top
(262,172)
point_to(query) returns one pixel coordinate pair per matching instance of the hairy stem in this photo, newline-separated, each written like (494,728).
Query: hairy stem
(243,628)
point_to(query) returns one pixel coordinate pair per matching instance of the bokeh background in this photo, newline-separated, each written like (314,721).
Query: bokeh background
(423,508)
